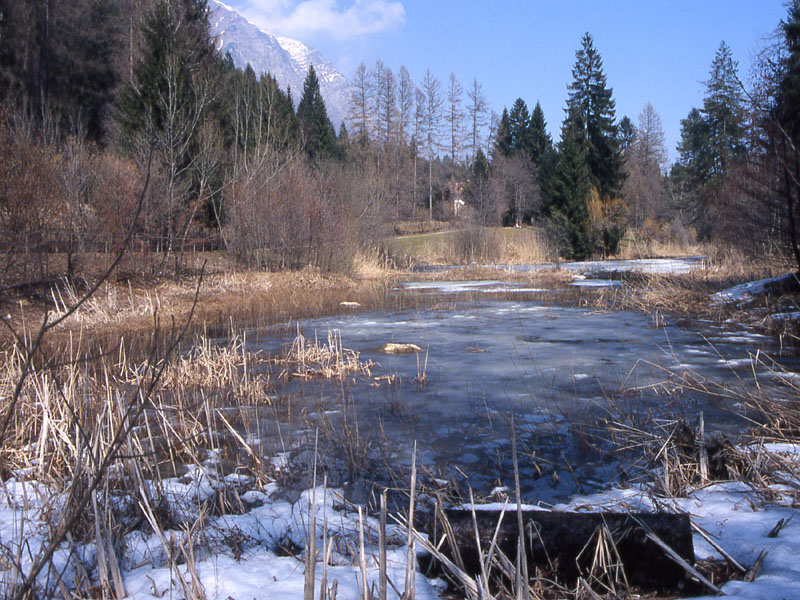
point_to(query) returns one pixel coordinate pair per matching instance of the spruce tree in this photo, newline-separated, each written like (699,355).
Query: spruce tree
(568,189)
(782,126)
(723,111)
(519,124)
(541,144)
(693,169)
(503,140)
(591,100)
(787,98)
(626,135)
(318,133)
(176,45)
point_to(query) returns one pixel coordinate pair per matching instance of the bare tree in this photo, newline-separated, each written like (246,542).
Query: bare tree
(419,134)
(476,110)
(646,163)
(385,102)
(405,105)
(360,102)
(491,133)
(515,189)
(455,117)
(432,90)
(650,148)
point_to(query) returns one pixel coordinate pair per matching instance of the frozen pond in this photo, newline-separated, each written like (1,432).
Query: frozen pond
(560,371)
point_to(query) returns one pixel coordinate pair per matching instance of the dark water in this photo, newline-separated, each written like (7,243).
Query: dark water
(561,372)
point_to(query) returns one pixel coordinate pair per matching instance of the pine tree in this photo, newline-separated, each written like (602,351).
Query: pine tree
(591,100)
(319,135)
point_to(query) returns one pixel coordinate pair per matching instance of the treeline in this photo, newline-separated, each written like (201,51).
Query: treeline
(98,97)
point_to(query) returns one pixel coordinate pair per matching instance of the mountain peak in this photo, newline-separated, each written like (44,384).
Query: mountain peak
(285,58)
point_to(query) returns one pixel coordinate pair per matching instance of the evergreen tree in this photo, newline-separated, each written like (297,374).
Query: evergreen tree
(787,97)
(344,136)
(503,142)
(723,112)
(694,149)
(693,170)
(519,128)
(782,134)
(591,105)
(568,190)
(166,83)
(480,166)
(477,193)
(318,132)
(541,144)
(626,134)
(59,62)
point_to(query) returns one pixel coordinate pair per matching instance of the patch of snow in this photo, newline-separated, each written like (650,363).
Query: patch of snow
(747,291)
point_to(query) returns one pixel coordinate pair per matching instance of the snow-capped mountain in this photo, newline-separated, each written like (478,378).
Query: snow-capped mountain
(286,59)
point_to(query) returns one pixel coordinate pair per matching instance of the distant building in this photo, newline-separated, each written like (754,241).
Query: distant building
(455,196)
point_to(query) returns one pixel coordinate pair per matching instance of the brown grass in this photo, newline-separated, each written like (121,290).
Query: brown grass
(127,310)
(482,245)
(689,295)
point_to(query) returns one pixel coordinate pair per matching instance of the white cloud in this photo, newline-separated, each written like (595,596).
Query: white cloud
(341,21)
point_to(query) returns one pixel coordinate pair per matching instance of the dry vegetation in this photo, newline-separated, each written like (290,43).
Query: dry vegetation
(84,419)
(481,245)
(689,295)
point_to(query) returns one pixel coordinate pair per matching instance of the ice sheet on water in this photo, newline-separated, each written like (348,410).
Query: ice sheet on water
(459,287)
(596,283)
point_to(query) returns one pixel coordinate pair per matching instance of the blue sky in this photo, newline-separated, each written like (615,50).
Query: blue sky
(655,51)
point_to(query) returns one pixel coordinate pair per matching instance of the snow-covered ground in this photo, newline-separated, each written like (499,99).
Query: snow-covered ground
(256,552)
(752,289)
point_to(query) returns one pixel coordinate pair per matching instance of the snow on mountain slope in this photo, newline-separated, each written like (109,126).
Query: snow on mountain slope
(286,59)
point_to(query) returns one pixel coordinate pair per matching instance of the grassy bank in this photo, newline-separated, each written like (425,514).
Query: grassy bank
(483,245)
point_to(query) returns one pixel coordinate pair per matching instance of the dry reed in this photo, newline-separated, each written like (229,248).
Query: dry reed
(310,359)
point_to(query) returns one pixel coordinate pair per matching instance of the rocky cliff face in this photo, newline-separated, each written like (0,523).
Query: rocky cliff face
(286,59)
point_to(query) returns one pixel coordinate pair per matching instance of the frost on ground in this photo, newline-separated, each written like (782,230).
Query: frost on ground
(247,543)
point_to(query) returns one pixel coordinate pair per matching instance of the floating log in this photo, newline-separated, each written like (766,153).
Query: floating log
(562,545)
